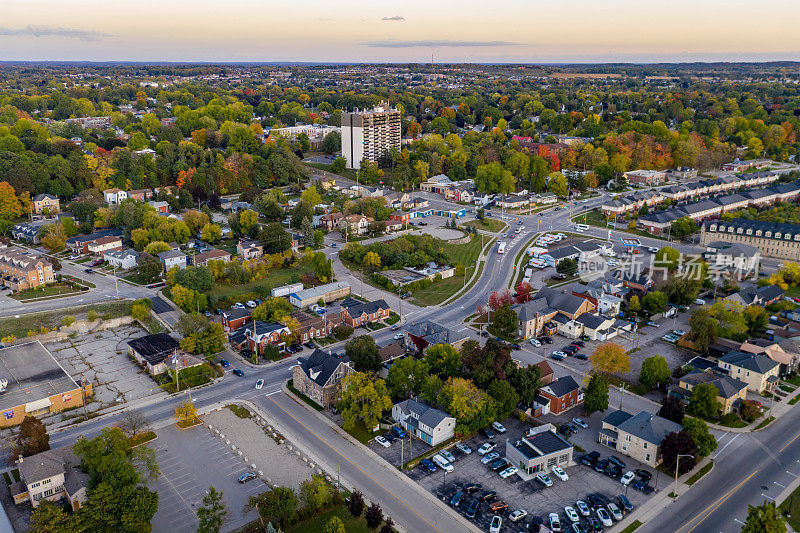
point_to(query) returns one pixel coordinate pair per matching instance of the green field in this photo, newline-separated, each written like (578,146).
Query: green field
(317,524)
(276,278)
(791,509)
(487,224)
(55,289)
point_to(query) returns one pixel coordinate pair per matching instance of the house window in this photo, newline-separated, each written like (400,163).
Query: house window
(647,457)
(48,492)
(645,446)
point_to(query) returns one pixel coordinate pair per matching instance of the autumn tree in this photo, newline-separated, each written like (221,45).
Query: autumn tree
(31,439)
(53,238)
(443,360)
(10,205)
(186,413)
(610,358)
(363,399)
(134,423)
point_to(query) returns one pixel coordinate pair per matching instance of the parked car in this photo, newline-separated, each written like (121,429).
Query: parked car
(498,464)
(500,428)
(544,479)
(644,474)
(470,488)
(456,501)
(400,432)
(427,464)
(558,356)
(594,524)
(578,527)
(614,511)
(595,500)
(590,458)
(508,472)
(604,517)
(494,525)
(616,460)
(624,503)
(535,342)
(486,433)
(463,448)
(389,436)
(238,372)
(489,458)
(572,514)
(582,508)
(560,473)
(601,465)
(518,515)
(627,478)
(488,495)
(247,476)
(555,523)
(498,507)
(472,510)
(382,441)
(581,356)
(447,455)
(251,304)
(486,448)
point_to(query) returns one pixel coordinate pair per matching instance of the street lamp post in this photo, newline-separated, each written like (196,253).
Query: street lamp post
(677,462)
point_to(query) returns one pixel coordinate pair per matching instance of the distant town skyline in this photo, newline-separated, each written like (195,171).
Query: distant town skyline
(573,31)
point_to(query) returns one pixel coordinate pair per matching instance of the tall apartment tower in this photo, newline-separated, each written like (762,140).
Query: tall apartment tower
(367,135)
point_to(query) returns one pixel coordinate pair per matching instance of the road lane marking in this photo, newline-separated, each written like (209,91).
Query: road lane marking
(353,464)
(781,486)
(273,392)
(788,443)
(726,445)
(764,495)
(711,508)
(737,520)
(793,475)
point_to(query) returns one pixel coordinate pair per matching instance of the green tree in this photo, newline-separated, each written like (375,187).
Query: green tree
(633,304)
(315,493)
(667,257)
(363,399)
(730,319)
(471,407)
(338,165)
(335,524)
(274,309)
(655,302)
(212,513)
(49,517)
(764,518)
(406,377)
(443,360)
(278,505)
(567,266)
(595,395)
(756,319)
(698,429)
(363,352)
(683,226)
(493,178)
(331,143)
(31,439)
(557,184)
(702,329)
(211,233)
(505,321)
(655,371)
(526,381)
(703,402)
(311,197)
(505,396)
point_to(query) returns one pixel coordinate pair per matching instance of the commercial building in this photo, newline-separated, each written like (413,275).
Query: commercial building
(319,376)
(233,319)
(429,425)
(771,239)
(646,177)
(638,436)
(367,135)
(51,475)
(539,451)
(33,383)
(327,293)
(22,270)
(151,351)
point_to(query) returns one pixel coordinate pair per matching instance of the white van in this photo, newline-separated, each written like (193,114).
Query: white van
(443,463)
(581,227)
(700,302)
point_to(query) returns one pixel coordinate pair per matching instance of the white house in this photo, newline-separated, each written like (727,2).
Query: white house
(123,259)
(114,196)
(429,425)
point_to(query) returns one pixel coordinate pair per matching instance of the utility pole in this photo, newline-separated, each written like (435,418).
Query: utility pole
(622,394)
(677,460)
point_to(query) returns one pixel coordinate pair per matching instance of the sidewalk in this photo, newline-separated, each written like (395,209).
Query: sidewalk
(777,410)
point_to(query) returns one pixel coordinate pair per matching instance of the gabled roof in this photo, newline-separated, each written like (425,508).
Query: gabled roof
(649,427)
(427,415)
(564,302)
(615,418)
(727,387)
(320,366)
(356,308)
(752,362)
(562,386)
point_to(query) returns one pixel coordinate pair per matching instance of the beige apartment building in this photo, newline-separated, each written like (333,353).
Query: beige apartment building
(367,135)
(22,270)
(772,239)
(637,436)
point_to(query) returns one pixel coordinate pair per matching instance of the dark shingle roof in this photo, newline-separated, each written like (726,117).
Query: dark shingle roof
(563,386)
(320,366)
(749,361)
(356,308)
(548,442)
(651,428)
(615,418)
(154,348)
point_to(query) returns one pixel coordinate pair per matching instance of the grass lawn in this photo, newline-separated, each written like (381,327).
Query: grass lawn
(794,379)
(636,388)
(791,509)
(346,173)
(487,224)
(361,433)
(239,411)
(466,254)
(309,401)
(633,527)
(56,289)
(143,438)
(276,278)
(186,424)
(317,524)
(700,473)
(82,260)
(394,318)
(765,422)
(737,423)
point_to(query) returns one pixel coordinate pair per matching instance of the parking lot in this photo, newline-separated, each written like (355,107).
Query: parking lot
(539,501)
(102,358)
(190,462)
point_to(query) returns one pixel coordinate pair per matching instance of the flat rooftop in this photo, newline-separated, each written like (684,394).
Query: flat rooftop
(32,374)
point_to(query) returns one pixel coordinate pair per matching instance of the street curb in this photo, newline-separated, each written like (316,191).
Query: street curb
(467,526)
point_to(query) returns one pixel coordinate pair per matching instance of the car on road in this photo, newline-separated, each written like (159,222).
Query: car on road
(400,432)
(572,514)
(224,363)
(382,441)
(624,503)
(518,515)
(247,476)
(500,428)
(494,526)
(627,478)
(558,276)
(582,508)
(427,464)
(456,501)
(334,245)
(472,510)
(489,457)
(652,324)
(555,522)
(589,459)
(238,372)
(652,249)
(486,448)
(470,488)
(614,511)
(679,332)
(498,507)
(508,472)
(463,448)
(259,384)
(559,473)
(488,495)
(88,270)
(544,479)
(604,517)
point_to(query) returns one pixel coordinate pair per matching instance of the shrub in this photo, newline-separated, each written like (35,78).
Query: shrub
(342,331)
(68,320)
(356,503)
(374,516)
(729,418)
(92,316)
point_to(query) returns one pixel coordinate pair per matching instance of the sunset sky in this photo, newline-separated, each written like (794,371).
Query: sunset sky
(353,31)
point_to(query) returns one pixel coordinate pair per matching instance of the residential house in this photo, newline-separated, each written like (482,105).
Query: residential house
(140,194)
(151,351)
(203,258)
(390,350)
(634,281)
(562,394)
(358,224)
(249,249)
(233,319)
(638,436)
(429,425)
(79,244)
(545,306)
(258,334)
(419,335)
(331,221)
(114,196)
(171,259)
(546,198)
(788,360)
(758,371)
(763,296)
(511,201)
(546,372)
(313,326)
(356,313)
(319,376)
(538,452)
(105,244)
(160,207)
(742,259)
(27,232)
(45,204)
(51,475)
(730,391)
(122,259)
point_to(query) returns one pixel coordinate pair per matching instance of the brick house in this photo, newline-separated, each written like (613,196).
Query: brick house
(356,313)
(319,376)
(258,334)
(140,194)
(160,207)
(546,376)
(233,319)
(312,326)
(563,394)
